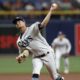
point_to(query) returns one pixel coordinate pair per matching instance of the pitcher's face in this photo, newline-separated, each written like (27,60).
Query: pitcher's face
(21,25)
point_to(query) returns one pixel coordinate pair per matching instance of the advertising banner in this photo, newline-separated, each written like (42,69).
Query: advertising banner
(8,39)
(77,38)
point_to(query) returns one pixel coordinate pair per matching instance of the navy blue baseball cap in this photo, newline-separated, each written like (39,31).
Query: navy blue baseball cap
(17,19)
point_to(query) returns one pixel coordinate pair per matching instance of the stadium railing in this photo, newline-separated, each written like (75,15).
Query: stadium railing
(58,12)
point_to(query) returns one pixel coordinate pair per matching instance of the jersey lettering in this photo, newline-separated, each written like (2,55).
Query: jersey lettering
(26,42)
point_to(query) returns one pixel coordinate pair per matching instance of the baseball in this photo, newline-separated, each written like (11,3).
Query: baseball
(54,5)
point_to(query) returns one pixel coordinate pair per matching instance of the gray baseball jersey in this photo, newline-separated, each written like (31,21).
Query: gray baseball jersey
(64,45)
(33,41)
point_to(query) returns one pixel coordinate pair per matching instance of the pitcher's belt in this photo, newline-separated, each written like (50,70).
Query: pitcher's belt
(43,55)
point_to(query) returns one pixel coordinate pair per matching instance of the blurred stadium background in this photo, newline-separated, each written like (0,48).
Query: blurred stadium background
(66,19)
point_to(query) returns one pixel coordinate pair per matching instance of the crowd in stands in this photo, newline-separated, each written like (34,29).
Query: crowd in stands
(31,5)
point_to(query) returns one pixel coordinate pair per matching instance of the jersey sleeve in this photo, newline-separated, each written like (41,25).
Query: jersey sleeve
(53,43)
(37,26)
(19,48)
(68,46)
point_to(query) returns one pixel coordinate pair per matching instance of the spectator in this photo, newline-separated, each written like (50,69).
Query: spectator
(6,5)
(30,8)
(17,5)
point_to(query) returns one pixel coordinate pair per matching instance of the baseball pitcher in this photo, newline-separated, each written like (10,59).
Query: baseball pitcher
(31,40)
